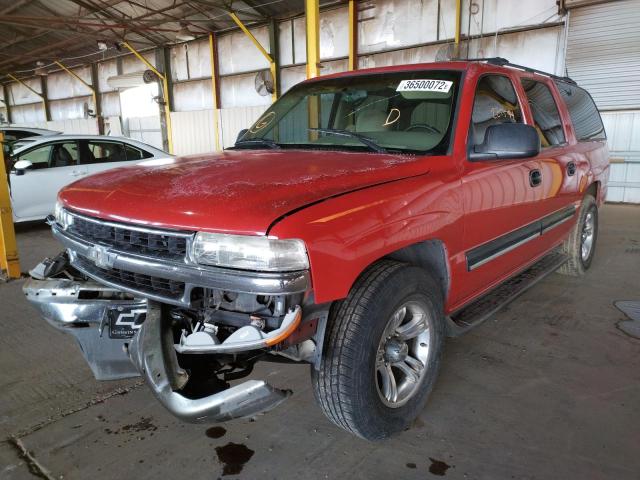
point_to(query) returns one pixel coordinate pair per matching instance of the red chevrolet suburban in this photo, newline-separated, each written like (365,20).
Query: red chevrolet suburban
(361,220)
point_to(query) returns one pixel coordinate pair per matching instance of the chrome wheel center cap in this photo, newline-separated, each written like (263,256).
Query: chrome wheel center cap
(395,350)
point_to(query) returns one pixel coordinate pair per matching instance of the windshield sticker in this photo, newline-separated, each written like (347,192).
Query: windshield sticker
(441,86)
(263,122)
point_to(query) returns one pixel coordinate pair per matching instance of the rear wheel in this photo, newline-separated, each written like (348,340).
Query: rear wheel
(382,351)
(581,244)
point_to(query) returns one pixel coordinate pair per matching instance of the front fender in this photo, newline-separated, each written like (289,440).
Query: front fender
(346,234)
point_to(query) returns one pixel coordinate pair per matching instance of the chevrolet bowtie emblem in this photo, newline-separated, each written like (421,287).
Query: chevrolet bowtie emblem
(102,257)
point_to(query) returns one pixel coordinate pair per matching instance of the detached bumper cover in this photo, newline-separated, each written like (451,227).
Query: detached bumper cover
(61,302)
(153,353)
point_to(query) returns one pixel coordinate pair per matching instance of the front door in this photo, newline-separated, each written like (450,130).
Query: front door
(501,197)
(34,190)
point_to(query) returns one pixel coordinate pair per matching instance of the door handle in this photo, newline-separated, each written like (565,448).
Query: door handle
(535,177)
(571,169)
(77,173)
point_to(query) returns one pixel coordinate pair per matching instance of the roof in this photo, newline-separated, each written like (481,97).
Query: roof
(490,63)
(68,30)
(35,131)
(32,141)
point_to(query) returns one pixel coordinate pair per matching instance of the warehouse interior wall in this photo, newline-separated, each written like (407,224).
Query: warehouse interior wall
(390,32)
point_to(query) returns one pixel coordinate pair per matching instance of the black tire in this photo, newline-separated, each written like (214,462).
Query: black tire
(576,266)
(346,386)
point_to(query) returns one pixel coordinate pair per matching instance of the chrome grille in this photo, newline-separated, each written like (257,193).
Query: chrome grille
(136,281)
(143,241)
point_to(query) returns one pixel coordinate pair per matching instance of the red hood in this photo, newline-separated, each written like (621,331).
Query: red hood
(240,191)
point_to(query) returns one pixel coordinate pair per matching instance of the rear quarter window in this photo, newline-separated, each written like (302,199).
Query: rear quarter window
(583,112)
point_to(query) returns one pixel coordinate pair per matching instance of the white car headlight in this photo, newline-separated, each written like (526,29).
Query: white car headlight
(63,218)
(249,253)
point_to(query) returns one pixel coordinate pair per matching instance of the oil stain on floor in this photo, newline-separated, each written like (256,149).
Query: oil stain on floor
(233,457)
(215,432)
(438,467)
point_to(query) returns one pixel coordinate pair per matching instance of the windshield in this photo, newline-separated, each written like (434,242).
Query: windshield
(400,111)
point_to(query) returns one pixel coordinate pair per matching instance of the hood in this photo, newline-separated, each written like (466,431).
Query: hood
(238,191)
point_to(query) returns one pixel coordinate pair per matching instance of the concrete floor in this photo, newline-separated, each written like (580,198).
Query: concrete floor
(549,388)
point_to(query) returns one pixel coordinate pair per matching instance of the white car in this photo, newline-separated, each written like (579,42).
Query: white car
(41,166)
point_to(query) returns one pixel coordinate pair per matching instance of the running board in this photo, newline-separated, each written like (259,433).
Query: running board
(486,306)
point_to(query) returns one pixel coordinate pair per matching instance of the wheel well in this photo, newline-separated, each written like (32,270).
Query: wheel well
(593,190)
(430,255)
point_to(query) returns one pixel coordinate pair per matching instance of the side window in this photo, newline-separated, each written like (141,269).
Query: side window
(105,152)
(18,134)
(583,112)
(64,154)
(39,157)
(545,113)
(134,153)
(495,102)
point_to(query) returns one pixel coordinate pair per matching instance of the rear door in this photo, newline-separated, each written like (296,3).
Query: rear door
(101,155)
(34,191)
(558,161)
(501,197)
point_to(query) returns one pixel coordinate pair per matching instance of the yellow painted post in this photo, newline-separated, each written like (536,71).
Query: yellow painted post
(353,35)
(77,77)
(44,101)
(272,63)
(456,44)
(9,260)
(213,55)
(312,16)
(165,92)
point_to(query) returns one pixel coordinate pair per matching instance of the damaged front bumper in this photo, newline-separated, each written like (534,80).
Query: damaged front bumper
(84,309)
(153,353)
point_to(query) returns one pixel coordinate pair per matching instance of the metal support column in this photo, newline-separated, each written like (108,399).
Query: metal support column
(267,55)
(312,17)
(7,103)
(275,55)
(165,92)
(353,35)
(215,83)
(45,98)
(456,41)
(9,261)
(97,97)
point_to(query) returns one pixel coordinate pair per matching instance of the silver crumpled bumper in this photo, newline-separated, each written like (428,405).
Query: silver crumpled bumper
(153,352)
(76,307)
(79,308)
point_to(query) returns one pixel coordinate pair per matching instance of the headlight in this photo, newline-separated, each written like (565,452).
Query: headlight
(249,253)
(63,218)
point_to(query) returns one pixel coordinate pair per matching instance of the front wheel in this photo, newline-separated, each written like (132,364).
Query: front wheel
(581,244)
(382,351)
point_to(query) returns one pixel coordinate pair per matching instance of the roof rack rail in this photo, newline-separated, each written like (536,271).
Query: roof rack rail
(503,62)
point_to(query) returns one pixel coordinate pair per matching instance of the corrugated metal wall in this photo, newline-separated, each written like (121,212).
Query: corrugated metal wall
(193,130)
(623,129)
(603,56)
(603,52)
(88,126)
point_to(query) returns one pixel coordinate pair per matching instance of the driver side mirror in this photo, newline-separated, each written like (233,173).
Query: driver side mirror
(21,166)
(506,141)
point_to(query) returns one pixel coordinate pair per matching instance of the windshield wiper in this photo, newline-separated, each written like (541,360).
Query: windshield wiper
(258,141)
(346,133)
